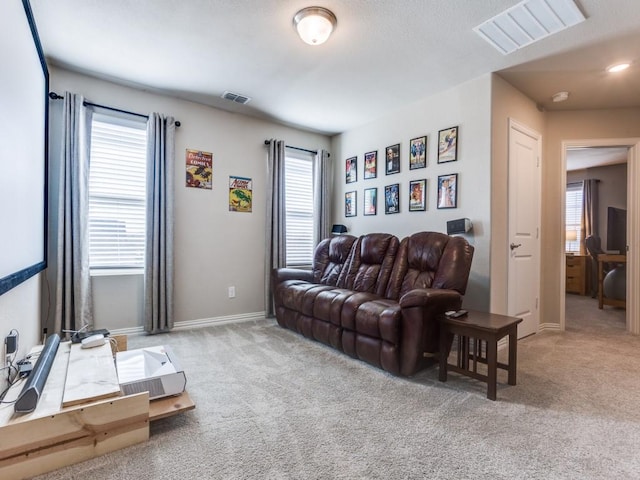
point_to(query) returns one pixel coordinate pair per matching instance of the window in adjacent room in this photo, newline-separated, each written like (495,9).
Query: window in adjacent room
(299,217)
(573,217)
(117,184)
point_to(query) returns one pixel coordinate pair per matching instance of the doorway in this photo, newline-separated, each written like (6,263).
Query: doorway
(632,322)
(596,206)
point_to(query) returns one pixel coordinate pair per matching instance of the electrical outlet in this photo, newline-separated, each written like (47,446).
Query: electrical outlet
(232,292)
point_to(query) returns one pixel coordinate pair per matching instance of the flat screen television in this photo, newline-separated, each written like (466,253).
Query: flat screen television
(617,229)
(24,85)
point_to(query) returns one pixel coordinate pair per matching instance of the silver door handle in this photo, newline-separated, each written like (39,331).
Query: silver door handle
(513,246)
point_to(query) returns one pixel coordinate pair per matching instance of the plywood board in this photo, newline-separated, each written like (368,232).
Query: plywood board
(51,398)
(91,375)
(166,407)
(77,434)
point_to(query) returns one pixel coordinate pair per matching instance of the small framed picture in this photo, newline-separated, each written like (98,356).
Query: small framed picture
(371,164)
(418,153)
(418,195)
(351,169)
(392,160)
(370,201)
(350,204)
(448,191)
(448,145)
(392,198)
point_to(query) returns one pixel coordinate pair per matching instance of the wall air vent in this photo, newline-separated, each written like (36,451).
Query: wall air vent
(236,97)
(527,22)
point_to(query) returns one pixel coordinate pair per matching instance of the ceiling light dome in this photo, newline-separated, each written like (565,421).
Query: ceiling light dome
(618,67)
(314,24)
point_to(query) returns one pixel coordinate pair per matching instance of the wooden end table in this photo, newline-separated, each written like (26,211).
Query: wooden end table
(479,327)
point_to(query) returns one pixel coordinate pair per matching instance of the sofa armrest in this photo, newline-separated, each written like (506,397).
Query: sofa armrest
(437,299)
(282,274)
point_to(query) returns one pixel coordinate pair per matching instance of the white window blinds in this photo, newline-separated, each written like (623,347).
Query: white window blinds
(299,209)
(117,185)
(573,217)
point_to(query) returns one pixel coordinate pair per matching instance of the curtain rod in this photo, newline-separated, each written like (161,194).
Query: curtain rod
(267,142)
(55,96)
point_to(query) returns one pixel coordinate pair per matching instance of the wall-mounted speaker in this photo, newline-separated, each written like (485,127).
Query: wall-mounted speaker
(461,225)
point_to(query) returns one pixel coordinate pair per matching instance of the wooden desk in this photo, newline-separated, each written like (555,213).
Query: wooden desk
(602,300)
(480,327)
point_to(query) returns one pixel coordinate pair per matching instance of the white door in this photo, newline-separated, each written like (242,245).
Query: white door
(524,228)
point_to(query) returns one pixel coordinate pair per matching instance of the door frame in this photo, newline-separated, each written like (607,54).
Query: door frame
(632,311)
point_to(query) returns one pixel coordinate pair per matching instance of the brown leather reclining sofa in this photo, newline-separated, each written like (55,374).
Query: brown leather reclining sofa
(376,298)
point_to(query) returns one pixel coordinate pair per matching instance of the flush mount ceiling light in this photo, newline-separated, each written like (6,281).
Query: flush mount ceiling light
(314,24)
(528,22)
(618,67)
(560,96)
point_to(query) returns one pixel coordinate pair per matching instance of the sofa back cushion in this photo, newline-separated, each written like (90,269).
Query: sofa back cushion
(329,258)
(370,263)
(430,260)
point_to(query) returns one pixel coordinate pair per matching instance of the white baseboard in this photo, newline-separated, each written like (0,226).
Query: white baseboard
(198,323)
(549,326)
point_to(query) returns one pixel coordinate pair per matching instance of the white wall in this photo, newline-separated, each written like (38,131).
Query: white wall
(20,310)
(506,103)
(467,106)
(214,248)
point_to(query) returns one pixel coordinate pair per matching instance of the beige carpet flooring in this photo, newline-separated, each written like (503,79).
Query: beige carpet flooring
(273,405)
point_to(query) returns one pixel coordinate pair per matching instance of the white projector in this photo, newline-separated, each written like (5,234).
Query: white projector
(154,369)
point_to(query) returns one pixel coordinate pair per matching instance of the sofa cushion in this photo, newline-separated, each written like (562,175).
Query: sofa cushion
(379,318)
(370,263)
(299,295)
(328,304)
(329,258)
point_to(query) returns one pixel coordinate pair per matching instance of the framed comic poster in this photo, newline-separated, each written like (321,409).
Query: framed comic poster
(370,201)
(351,169)
(418,195)
(392,160)
(418,153)
(199,169)
(448,145)
(392,198)
(448,191)
(350,204)
(371,164)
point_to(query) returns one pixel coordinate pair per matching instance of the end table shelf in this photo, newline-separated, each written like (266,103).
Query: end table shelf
(479,327)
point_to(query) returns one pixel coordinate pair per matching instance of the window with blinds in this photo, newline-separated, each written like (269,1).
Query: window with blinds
(298,173)
(117,185)
(573,217)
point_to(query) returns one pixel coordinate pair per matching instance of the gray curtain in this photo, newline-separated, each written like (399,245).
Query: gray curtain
(158,272)
(74,305)
(322,191)
(589,211)
(275,255)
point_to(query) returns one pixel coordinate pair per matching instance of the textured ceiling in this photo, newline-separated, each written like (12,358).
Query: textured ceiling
(383,54)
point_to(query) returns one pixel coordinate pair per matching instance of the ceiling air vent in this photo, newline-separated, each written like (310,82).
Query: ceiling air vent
(236,97)
(528,22)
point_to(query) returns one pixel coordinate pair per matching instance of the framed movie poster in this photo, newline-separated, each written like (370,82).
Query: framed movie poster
(370,201)
(448,145)
(351,169)
(418,153)
(448,191)
(418,195)
(392,198)
(371,164)
(350,204)
(392,160)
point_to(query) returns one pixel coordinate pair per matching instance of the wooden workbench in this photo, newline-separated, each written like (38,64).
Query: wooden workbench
(80,415)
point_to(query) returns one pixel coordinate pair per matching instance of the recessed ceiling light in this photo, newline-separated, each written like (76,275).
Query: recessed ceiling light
(618,67)
(560,96)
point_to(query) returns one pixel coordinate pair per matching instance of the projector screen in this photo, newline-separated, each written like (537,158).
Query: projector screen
(24,85)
